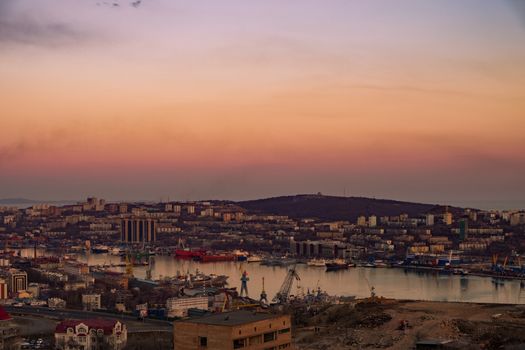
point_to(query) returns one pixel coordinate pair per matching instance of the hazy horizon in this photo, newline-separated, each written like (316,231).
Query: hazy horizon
(475,204)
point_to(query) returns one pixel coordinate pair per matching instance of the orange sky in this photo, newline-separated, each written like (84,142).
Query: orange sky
(184,100)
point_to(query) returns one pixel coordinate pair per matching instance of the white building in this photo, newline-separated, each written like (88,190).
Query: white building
(90,334)
(56,303)
(429,220)
(178,307)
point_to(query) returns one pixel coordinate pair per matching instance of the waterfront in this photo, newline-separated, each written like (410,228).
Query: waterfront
(388,282)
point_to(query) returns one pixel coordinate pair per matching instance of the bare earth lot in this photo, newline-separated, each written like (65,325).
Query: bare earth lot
(379,324)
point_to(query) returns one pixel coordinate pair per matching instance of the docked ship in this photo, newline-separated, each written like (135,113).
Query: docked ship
(100,249)
(254,258)
(336,265)
(216,257)
(316,263)
(189,254)
(240,255)
(197,280)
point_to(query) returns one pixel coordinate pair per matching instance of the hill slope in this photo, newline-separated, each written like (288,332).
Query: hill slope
(337,208)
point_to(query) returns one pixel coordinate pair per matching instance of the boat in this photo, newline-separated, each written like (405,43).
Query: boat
(240,255)
(316,263)
(254,258)
(380,263)
(116,251)
(100,249)
(336,265)
(461,272)
(278,262)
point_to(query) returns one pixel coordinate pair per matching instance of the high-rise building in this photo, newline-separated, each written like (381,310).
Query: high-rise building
(17,281)
(447,218)
(463,229)
(429,220)
(361,221)
(138,230)
(372,221)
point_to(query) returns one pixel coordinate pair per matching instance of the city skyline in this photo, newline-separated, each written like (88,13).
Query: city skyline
(408,100)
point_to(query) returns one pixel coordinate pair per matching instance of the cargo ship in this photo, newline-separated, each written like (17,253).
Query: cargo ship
(216,257)
(188,253)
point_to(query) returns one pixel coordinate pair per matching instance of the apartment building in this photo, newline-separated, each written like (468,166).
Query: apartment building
(234,330)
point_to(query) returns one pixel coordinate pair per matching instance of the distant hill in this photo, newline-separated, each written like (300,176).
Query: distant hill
(23,202)
(17,201)
(338,208)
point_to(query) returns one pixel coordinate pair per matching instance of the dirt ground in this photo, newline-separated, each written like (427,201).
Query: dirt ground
(390,324)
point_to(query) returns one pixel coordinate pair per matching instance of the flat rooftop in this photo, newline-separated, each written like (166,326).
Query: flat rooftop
(233,318)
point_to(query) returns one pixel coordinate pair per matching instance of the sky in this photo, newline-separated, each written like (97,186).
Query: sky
(237,99)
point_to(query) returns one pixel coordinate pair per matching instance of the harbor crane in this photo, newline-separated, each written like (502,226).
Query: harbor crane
(283,294)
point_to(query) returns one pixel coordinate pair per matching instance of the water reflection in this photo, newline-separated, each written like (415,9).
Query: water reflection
(388,282)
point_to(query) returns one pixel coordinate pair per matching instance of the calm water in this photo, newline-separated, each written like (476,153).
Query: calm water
(388,282)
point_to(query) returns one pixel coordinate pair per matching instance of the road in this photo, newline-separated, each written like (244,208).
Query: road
(133,325)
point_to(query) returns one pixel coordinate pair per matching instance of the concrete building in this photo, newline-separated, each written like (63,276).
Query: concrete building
(372,221)
(361,221)
(324,249)
(90,302)
(447,218)
(90,334)
(517,219)
(178,307)
(16,280)
(138,230)
(4,289)
(56,303)
(429,220)
(234,330)
(76,268)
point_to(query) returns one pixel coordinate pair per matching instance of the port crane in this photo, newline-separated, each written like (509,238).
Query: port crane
(284,293)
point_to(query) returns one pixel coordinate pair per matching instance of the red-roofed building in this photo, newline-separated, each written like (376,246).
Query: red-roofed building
(4,316)
(90,334)
(9,338)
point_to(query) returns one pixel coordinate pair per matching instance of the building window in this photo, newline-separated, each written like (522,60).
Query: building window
(271,336)
(239,343)
(203,341)
(284,330)
(257,339)
(284,346)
